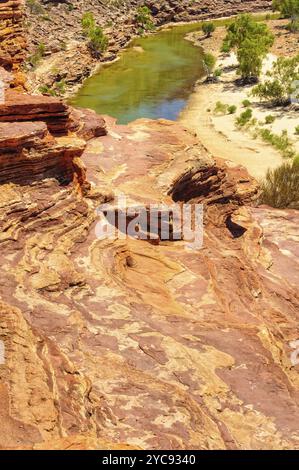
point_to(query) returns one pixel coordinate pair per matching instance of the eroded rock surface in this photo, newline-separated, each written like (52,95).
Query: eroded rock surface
(111,343)
(12,40)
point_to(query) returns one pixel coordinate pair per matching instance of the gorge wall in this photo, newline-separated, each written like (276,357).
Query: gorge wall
(123,343)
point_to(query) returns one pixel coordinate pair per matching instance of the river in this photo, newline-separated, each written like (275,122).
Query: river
(153,78)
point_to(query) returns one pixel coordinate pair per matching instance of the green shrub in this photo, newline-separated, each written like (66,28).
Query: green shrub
(36,57)
(209,61)
(220,108)
(208,29)
(280,84)
(280,142)
(144,18)
(244,118)
(246,103)
(88,23)
(252,41)
(232,109)
(269,119)
(297,130)
(218,73)
(97,40)
(46,90)
(280,186)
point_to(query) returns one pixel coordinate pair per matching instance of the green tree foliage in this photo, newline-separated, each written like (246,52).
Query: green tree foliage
(288,9)
(208,29)
(281,83)
(144,18)
(209,62)
(252,41)
(250,58)
(280,186)
(88,22)
(97,41)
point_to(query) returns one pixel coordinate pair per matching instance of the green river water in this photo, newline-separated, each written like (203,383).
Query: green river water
(155,83)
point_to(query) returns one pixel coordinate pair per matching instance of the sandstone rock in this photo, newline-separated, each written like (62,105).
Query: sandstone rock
(12,41)
(147,345)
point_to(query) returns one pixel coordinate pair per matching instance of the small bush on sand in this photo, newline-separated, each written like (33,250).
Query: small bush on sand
(246,103)
(220,108)
(269,119)
(280,142)
(244,118)
(208,29)
(232,109)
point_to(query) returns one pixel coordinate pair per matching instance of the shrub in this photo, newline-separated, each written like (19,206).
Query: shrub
(269,119)
(209,61)
(288,9)
(244,118)
(220,108)
(46,90)
(232,109)
(280,142)
(88,23)
(280,186)
(297,130)
(281,82)
(35,58)
(144,18)
(252,41)
(208,29)
(97,40)
(246,103)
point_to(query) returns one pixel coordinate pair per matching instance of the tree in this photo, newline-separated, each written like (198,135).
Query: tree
(209,62)
(144,18)
(97,41)
(88,22)
(245,27)
(288,9)
(252,41)
(250,58)
(282,82)
(208,29)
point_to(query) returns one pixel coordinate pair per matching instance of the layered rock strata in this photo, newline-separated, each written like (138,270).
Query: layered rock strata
(12,40)
(113,342)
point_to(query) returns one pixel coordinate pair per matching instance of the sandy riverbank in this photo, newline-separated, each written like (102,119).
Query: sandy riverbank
(218,133)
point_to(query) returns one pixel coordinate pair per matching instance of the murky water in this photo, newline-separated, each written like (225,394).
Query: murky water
(153,78)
